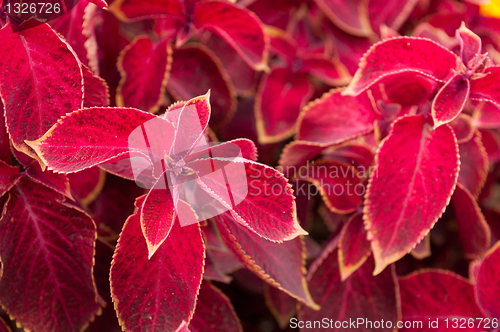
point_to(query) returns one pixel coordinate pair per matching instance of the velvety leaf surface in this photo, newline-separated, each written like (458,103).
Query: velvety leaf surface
(354,248)
(486,283)
(281,305)
(31,87)
(350,16)
(144,66)
(360,296)
(473,164)
(279,264)
(450,100)
(156,294)
(473,230)
(335,118)
(281,96)
(437,294)
(402,55)
(486,88)
(268,207)
(47,260)
(92,136)
(214,312)
(9,175)
(157,215)
(96,90)
(186,83)
(407,163)
(57,182)
(238,26)
(137,9)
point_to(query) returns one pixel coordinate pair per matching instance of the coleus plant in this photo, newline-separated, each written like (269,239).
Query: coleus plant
(100,231)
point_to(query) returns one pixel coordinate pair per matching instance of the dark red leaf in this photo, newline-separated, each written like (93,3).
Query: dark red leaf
(408,161)
(9,175)
(47,259)
(473,164)
(160,293)
(354,248)
(486,282)
(144,66)
(279,264)
(350,16)
(281,96)
(437,295)
(214,312)
(194,71)
(473,230)
(238,26)
(35,92)
(362,295)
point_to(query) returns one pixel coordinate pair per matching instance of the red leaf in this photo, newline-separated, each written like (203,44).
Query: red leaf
(132,10)
(473,230)
(354,248)
(214,312)
(331,72)
(473,164)
(399,56)
(56,182)
(486,283)
(437,295)
(183,327)
(409,161)
(279,264)
(144,66)
(337,182)
(491,143)
(243,77)
(87,184)
(486,88)
(194,71)
(96,90)
(463,128)
(470,44)
(35,92)
(281,96)
(238,26)
(450,100)
(350,16)
(78,31)
(160,293)
(93,136)
(262,200)
(43,286)
(335,118)
(280,304)
(362,295)
(9,175)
